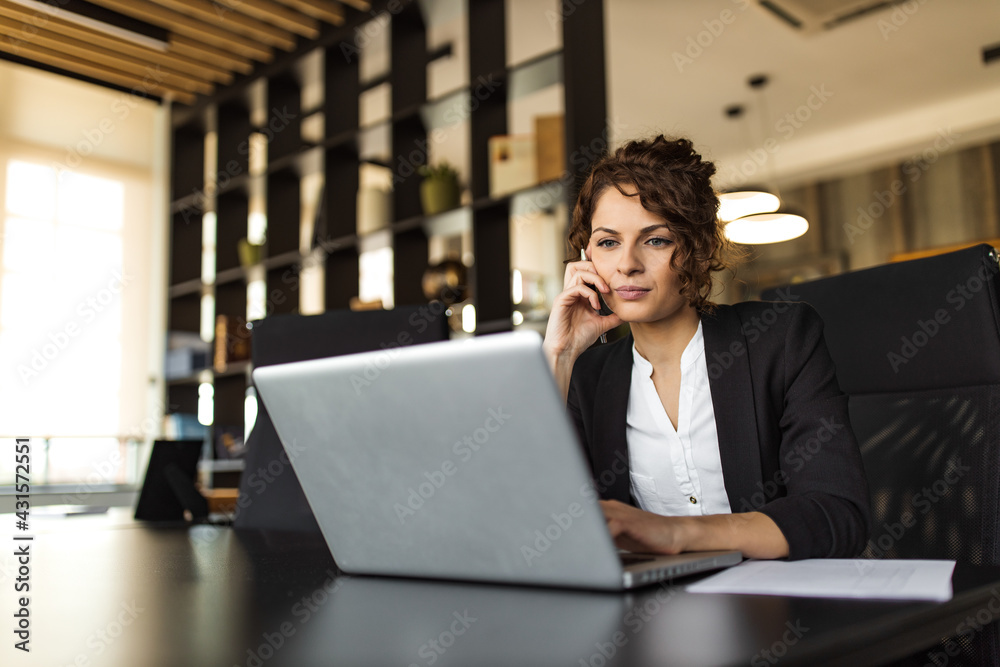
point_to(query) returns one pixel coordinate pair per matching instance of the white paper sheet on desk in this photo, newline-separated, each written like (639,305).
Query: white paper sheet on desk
(836,578)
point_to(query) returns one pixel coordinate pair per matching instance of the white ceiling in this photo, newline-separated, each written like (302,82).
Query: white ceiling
(892,92)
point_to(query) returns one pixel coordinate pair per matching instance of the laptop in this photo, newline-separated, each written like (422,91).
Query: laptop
(453,460)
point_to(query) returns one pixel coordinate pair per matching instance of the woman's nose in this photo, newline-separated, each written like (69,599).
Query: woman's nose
(628,261)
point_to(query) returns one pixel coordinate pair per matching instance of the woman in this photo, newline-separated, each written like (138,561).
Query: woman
(724,425)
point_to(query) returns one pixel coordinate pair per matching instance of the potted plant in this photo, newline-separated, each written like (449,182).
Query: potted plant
(250,253)
(439,190)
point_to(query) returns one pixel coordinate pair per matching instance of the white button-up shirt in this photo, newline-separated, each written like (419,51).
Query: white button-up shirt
(675,472)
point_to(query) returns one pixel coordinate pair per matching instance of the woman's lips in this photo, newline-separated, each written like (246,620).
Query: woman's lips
(630,293)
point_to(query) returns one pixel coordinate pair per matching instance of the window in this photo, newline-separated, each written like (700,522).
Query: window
(61,289)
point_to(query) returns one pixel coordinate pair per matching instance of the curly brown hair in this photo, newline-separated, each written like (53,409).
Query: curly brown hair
(672,181)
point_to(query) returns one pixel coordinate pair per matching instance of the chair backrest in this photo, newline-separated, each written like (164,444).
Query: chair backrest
(270,494)
(917,347)
(929,323)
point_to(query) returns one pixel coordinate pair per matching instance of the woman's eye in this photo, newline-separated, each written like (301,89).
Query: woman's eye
(659,241)
(605,243)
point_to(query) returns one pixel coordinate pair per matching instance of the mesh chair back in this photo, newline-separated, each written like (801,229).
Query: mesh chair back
(933,465)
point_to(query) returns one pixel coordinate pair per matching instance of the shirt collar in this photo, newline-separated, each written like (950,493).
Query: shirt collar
(694,349)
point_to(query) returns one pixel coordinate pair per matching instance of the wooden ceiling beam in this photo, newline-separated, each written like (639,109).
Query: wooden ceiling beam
(97,54)
(209,41)
(278,14)
(185,25)
(228,18)
(29,21)
(360,5)
(324,10)
(54,59)
(193,48)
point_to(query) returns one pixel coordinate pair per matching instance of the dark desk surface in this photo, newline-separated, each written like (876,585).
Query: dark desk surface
(129,595)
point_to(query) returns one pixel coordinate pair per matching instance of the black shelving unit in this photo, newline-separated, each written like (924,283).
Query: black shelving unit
(232,210)
(282,289)
(284,97)
(586,94)
(184,308)
(490,274)
(290,161)
(186,158)
(336,222)
(186,238)
(184,314)
(284,211)
(231,298)
(234,134)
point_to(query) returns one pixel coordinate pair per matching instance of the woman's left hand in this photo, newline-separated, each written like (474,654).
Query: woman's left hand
(637,530)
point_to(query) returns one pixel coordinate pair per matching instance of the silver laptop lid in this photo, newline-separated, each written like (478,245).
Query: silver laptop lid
(451,460)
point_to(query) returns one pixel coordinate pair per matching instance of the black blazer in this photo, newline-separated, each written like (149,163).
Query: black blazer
(785,438)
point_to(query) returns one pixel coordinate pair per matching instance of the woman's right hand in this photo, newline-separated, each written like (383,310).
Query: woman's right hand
(574,323)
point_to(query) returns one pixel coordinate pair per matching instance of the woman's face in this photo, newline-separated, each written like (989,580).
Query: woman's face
(631,250)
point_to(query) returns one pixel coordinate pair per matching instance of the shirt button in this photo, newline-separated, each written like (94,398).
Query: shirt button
(694,501)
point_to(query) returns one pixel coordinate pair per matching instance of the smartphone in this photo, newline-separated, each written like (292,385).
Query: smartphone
(604,310)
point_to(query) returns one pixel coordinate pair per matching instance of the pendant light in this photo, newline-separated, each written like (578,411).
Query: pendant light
(735,204)
(761,228)
(750,199)
(771,224)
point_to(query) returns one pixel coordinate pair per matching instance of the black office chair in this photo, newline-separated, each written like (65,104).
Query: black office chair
(270,495)
(917,347)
